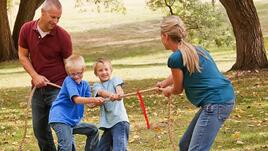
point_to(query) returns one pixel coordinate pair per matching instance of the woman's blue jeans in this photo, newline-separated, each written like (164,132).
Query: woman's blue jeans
(65,135)
(204,127)
(115,138)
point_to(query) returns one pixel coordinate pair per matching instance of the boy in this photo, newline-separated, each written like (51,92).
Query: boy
(113,115)
(68,108)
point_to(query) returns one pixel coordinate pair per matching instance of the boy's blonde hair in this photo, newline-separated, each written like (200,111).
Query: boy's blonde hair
(103,61)
(74,62)
(174,27)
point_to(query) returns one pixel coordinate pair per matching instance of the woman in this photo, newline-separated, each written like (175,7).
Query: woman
(194,70)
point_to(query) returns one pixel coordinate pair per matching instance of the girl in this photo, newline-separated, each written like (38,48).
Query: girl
(194,70)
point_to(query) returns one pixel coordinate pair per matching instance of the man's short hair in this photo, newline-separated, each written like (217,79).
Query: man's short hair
(49,3)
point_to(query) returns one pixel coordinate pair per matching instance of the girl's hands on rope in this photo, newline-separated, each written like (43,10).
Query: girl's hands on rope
(160,84)
(166,90)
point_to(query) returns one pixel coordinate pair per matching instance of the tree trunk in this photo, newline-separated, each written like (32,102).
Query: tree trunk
(26,13)
(7,49)
(250,50)
(213,3)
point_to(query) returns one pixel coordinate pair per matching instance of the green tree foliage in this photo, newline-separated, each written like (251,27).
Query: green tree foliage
(205,22)
(9,4)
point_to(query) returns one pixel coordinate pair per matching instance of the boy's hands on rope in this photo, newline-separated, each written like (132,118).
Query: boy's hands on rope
(112,96)
(115,97)
(98,101)
(119,94)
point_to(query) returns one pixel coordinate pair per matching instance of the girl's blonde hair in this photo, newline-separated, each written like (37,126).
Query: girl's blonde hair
(174,27)
(103,61)
(74,62)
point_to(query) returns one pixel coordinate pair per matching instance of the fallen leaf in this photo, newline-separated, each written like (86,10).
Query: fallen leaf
(240,142)
(236,136)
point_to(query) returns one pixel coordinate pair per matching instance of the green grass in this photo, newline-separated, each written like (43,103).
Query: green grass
(132,43)
(262,9)
(248,120)
(266,43)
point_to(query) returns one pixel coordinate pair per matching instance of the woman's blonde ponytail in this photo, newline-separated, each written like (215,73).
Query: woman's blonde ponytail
(190,57)
(174,27)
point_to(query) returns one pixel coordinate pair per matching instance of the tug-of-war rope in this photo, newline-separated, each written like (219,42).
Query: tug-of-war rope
(140,98)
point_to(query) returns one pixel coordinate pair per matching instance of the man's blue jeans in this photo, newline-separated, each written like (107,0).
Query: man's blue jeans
(204,127)
(115,138)
(41,103)
(65,135)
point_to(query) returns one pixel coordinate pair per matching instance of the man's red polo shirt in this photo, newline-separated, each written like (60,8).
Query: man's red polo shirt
(47,53)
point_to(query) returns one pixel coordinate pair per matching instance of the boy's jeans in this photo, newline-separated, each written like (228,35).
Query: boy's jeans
(65,135)
(41,103)
(204,127)
(115,138)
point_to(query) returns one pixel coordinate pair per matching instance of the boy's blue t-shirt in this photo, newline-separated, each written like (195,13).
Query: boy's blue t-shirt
(63,109)
(112,112)
(207,86)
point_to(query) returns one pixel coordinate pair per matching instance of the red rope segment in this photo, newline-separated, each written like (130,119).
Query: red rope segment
(143,108)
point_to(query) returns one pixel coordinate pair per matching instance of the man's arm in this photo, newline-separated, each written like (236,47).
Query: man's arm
(38,80)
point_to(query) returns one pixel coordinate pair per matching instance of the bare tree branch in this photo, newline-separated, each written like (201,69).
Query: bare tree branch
(170,6)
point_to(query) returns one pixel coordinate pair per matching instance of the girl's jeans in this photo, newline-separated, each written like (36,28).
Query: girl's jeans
(204,127)
(65,135)
(115,138)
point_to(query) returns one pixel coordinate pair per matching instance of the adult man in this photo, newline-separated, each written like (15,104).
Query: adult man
(43,46)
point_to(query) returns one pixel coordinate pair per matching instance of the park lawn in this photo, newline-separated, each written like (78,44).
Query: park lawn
(138,57)
(246,129)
